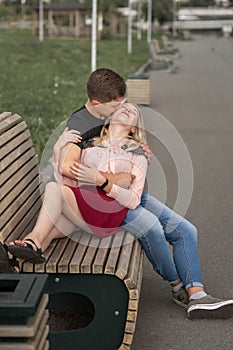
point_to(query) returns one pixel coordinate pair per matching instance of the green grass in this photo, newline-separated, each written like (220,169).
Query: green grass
(45,82)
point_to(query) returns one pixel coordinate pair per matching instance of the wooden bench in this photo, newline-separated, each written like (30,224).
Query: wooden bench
(162,63)
(84,272)
(168,46)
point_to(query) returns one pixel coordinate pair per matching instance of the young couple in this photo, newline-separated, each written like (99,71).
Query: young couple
(103,169)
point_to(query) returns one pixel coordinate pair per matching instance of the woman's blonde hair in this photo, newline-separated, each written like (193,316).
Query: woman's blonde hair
(134,137)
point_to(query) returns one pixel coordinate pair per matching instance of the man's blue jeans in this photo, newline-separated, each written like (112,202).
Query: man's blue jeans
(155,225)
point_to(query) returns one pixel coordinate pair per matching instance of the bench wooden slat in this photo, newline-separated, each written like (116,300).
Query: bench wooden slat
(43,341)
(125,256)
(47,254)
(86,265)
(31,167)
(15,143)
(130,327)
(51,264)
(17,201)
(63,265)
(41,335)
(132,276)
(16,153)
(16,165)
(124,347)
(8,123)
(12,133)
(17,190)
(114,253)
(4,115)
(79,253)
(20,221)
(101,256)
(128,338)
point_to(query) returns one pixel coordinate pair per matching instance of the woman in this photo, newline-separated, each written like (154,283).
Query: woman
(97,209)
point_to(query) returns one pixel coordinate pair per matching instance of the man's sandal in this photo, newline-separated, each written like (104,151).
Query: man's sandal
(7,264)
(27,252)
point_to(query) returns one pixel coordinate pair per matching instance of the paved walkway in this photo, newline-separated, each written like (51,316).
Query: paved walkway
(198,101)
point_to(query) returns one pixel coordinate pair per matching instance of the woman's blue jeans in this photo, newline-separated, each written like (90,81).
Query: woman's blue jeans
(155,225)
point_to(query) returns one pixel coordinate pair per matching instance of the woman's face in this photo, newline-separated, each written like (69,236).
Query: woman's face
(126,114)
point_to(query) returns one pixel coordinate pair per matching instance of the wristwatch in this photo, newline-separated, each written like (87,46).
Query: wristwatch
(104,184)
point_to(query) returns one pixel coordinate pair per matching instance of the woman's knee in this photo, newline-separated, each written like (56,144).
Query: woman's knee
(51,187)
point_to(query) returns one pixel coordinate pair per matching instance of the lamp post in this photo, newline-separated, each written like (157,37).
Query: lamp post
(174,17)
(139,29)
(149,20)
(93,35)
(41,20)
(129,26)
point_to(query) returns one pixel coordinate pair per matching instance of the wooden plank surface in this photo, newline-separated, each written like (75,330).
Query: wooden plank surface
(15,192)
(13,168)
(51,264)
(16,153)
(101,255)
(132,275)
(86,265)
(124,347)
(7,123)
(44,344)
(14,144)
(41,334)
(79,253)
(4,115)
(63,264)
(30,167)
(47,254)
(18,201)
(124,259)
(16,226)
(114,253)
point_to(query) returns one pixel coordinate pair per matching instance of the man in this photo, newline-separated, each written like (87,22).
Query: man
(149,222)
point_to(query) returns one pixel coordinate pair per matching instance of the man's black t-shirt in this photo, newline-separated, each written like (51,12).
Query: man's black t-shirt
(89,126)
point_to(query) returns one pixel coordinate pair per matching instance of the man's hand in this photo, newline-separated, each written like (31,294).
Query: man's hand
(87,174)
(67,136)
(147,150)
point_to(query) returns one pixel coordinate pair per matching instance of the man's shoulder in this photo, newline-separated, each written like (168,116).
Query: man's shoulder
(78,113)
(79,119)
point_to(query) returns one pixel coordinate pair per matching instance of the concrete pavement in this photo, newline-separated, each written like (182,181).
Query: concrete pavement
(198,101)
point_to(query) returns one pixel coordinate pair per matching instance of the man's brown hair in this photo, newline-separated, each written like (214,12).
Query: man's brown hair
(105,85)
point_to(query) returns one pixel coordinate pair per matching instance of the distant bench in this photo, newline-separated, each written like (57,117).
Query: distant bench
(90,279)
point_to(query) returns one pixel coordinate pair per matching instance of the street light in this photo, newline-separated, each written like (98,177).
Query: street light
(149,20)
(139,29)
(93,35)
(129,26)
(41,20)
(174,17)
